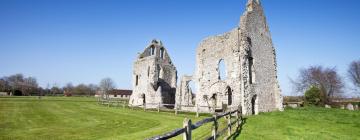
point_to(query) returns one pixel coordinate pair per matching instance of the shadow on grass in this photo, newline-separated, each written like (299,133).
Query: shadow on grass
(238,130)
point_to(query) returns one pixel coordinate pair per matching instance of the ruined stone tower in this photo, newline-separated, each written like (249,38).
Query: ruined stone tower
(154,77)
(250,69)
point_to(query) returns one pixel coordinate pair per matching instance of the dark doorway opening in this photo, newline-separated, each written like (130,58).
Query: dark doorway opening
(17,93)
(229,92)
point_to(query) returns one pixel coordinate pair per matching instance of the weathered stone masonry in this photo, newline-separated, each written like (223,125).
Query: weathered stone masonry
(250,77)
(154,77)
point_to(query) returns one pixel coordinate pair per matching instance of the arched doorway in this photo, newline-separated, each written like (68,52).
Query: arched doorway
(229,93)
(254,105)
(17,93)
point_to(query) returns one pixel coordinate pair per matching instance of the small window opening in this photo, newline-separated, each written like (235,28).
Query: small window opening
(137,80)
(221,70)
(162,53)
(152,50)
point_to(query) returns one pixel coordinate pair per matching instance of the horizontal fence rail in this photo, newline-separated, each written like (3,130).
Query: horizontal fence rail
(188,127)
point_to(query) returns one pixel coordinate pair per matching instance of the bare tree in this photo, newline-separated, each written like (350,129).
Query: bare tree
(15,81)
(20,85)
(106,85)
(4,85)
(55,90)
(354,73)
(93,88)
(30,85)
(326,79)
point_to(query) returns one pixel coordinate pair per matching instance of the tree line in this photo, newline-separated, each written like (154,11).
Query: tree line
(321,84)
(19,85)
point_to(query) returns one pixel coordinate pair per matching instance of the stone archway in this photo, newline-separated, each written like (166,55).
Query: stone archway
(18,93)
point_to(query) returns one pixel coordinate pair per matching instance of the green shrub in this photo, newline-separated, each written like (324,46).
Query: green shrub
(313,96)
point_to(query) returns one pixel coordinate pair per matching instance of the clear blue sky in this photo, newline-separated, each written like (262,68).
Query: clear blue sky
(83,41)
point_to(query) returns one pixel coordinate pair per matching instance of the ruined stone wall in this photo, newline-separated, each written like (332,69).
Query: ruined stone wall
(250,67)
(250,77)
(257,44)
(154,77)
(214,90)
(184,92)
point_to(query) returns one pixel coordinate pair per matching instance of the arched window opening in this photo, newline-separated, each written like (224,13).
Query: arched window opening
(162,53)
(137,80)
(152,50)
(221,70)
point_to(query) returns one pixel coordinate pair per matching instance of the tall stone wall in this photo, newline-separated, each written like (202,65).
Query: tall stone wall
(250,66)
(257,45)
(215,90)
(154,77)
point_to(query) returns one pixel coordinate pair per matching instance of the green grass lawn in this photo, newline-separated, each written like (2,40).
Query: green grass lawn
(304,123)
(83,118)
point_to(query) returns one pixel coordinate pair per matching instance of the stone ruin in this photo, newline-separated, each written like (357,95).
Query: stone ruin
(154,77)
(250,79)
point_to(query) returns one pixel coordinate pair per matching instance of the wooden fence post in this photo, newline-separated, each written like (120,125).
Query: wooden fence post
(215,127)
(229,125)
(187,126)
(237,119)
(158,108)
(197,110)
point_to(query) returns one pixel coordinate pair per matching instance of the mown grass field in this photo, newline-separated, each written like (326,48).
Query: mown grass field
(83,118)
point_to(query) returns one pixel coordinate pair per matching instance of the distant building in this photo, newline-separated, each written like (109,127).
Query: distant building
(4,94)
(116,93)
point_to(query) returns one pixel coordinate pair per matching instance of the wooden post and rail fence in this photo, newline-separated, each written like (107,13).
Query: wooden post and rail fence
(188,127)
